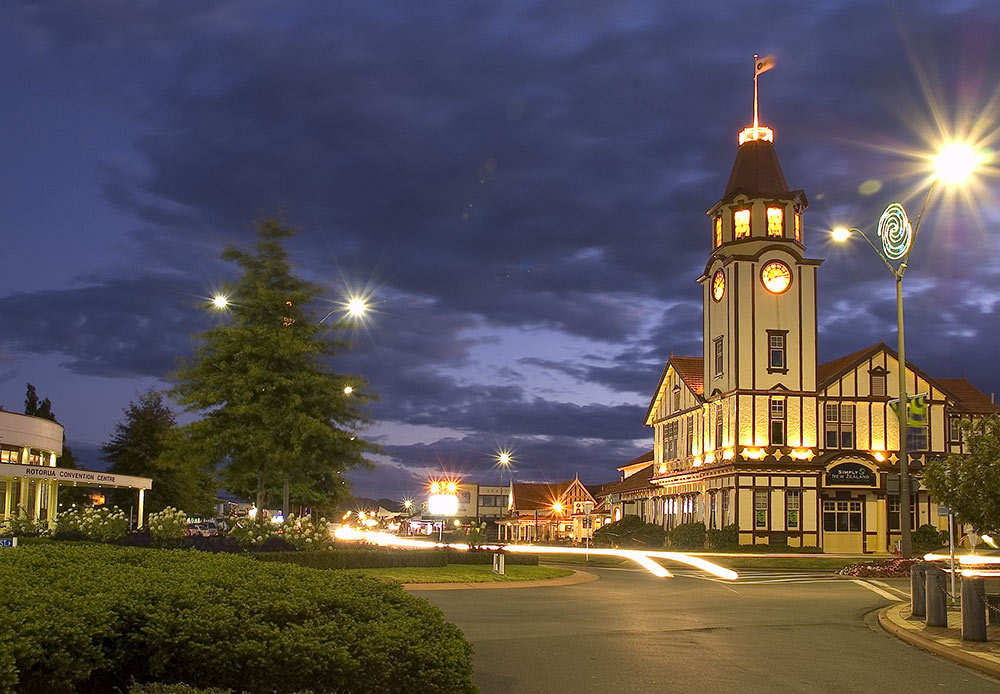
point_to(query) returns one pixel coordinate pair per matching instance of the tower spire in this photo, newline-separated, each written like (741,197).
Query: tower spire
(756,131)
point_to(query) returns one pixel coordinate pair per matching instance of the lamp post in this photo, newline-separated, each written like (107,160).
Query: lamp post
(504,461)
(954,165)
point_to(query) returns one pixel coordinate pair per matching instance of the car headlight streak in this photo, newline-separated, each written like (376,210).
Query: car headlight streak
(641,557)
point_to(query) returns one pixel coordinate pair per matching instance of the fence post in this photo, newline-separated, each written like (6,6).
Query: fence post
(973,609)
(918,601)
(937,606)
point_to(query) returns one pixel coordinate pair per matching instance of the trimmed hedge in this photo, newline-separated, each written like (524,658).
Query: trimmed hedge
(107,616)
(388,558)
(688,536)
(486,557)
(631,531)
(356,558)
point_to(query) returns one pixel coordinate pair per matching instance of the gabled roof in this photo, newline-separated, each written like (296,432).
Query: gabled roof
(832,370)
(691,372)
(967,397)
(644,458)
(530,496)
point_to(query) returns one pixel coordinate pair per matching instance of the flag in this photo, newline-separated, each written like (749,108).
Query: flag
(763,64)
(916,410)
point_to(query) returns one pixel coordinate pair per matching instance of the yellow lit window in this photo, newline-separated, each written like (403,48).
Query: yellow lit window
(718,231)
(741,223)
(798,227)
(775,221)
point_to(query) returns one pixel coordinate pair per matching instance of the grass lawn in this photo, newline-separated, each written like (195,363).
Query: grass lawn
(763,562)
(595,560)
(461,573)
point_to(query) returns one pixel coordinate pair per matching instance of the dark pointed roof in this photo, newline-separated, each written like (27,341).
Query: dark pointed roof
(756,172)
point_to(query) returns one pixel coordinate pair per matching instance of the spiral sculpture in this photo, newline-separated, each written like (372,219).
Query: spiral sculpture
(896,232)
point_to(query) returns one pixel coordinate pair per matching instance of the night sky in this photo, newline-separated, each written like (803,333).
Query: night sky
(520,187)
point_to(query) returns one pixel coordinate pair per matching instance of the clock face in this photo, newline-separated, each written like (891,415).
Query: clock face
(718,285)
(776,276)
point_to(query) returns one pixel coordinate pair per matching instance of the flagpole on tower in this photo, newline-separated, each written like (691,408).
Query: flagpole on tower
(755,73)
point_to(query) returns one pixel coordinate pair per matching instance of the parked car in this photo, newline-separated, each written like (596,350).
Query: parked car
(203,529)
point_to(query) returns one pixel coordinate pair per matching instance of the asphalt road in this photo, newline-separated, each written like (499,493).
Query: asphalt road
(632,632)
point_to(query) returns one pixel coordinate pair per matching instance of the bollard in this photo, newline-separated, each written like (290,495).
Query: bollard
(993,609)
(937,605)
(918,601)
(973,609)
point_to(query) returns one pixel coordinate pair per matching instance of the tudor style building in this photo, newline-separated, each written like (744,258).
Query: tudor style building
(753,431)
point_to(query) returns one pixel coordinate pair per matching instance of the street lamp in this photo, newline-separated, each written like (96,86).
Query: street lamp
(355,306)
(954,165)
(504,461)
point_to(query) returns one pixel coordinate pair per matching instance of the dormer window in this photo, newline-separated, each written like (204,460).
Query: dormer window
(741,223)
(775,221)
(718,231)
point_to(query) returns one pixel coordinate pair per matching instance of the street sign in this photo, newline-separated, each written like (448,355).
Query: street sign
(8,542)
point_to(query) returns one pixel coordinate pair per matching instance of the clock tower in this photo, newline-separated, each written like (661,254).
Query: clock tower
(759,293)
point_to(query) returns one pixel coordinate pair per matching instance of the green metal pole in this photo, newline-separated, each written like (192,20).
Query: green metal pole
(906,546)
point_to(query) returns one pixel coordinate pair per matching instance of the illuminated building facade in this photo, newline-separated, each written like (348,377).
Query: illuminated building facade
(552,512)
(30,479)
(754,432)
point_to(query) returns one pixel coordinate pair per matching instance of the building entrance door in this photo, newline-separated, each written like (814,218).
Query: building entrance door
(843,526)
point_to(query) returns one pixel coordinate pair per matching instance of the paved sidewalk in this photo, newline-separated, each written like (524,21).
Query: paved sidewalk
(573,579)
(944,641)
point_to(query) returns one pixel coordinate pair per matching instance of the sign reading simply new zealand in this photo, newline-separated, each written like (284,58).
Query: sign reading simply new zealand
(851,474)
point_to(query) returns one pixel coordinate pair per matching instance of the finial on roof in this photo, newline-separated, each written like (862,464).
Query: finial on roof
(756,131)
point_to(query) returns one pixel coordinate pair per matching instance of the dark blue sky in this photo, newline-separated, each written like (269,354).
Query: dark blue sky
(522,185)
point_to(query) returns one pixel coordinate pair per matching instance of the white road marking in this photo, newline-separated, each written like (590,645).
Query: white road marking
(876,590)
(904,593)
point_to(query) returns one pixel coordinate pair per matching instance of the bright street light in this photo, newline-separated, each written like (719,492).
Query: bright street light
(220,301)
(357,306)
(957,162)
(954,164)
(348,390)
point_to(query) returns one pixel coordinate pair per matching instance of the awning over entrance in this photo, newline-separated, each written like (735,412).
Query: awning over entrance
(64,475)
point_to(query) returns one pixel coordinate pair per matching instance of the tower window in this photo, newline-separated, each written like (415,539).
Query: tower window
(776,358)
(741,223)
(798,227)
(775,221)
(777,422)
(718,231)
(718,356)
(718,425)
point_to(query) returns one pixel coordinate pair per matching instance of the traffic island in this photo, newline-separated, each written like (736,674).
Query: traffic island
(944,641)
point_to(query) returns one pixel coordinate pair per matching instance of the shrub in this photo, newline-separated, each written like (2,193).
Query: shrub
(252,531)
(25,527)
(111,615)
(619,533)
(139,538)
(927,537)
(220,543)
(727,538)
(99,525)
(160,688)
(302,533)
(167,527)
(688,536)
(486,557)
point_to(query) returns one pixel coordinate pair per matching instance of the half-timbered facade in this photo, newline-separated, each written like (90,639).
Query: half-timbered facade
(754,431)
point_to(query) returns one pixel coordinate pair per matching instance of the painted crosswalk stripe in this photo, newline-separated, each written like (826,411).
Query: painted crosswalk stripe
(876,590)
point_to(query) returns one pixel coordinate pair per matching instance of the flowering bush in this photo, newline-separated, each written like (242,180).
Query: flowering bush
(100,525)
(252,531)
(302,533)
(896,567)
(169,525)
(24,527)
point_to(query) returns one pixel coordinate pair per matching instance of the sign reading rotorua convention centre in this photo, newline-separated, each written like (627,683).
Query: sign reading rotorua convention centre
(68,475)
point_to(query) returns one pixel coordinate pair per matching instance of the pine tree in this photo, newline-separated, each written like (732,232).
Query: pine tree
(43,408)
(141,446)
(272,409)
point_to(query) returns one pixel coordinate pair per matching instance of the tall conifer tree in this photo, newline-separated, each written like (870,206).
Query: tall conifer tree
(271,407)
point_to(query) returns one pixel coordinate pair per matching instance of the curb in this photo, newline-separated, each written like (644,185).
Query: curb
(891,620)
(575,578)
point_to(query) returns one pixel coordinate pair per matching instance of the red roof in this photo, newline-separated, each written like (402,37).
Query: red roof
(968,398)
(529,496)
(691,370)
